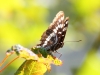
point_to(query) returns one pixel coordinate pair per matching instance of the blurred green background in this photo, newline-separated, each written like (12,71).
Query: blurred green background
(23,22)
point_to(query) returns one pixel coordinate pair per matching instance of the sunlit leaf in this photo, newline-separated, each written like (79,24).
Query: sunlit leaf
(34,64)
(31,67)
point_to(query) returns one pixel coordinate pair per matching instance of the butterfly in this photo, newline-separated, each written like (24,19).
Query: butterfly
(53,38)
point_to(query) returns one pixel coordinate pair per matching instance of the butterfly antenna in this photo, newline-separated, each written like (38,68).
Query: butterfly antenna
(8,63)
(73,41)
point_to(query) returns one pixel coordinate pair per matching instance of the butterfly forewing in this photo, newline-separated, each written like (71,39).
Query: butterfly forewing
(61,34)
(52,39)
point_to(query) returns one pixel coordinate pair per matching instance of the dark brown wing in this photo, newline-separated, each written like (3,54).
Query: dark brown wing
(52,39)
(61,35)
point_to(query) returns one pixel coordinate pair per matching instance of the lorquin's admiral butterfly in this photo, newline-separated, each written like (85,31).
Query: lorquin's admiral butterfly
(53,38)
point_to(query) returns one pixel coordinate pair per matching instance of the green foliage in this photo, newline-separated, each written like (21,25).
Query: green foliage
(24,21)
(91,66)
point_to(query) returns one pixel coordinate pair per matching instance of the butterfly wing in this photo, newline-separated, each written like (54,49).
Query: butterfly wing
(52,39)
(61,34)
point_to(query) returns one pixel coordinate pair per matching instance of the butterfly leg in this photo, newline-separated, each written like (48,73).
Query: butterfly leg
(58,53)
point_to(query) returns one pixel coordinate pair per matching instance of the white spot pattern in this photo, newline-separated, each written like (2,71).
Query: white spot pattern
(59,20)
(65,29)
(62,35)
(48,39)
(66,22)
(59,32)
(62,18)
(55,30)
(59,27)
